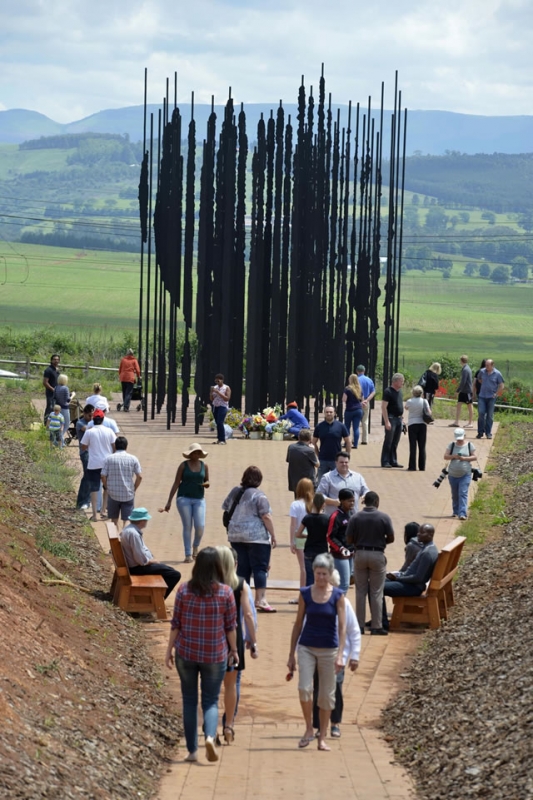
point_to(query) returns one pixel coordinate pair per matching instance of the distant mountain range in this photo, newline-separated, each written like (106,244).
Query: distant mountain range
(428,132)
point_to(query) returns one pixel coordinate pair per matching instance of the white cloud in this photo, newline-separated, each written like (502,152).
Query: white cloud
(69,60)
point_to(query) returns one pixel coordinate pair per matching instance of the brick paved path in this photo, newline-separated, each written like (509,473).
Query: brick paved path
(264,761)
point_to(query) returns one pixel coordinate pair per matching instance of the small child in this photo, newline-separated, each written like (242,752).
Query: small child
(56,424)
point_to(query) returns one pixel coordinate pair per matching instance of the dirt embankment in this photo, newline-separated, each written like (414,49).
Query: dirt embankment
(464,726)
(83,715)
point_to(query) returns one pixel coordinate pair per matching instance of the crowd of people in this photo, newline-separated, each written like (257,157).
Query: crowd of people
(337,532)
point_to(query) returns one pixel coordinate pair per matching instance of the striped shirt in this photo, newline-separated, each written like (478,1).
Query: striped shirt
(203,624)
(120,469)
(55,422)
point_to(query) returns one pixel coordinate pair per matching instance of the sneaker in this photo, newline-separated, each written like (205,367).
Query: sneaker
(188,560)
(210,749)
(363,442)
(386,466)
(335,732)
(489,436)
(463,517)
(192,757)
(479,436)
(397,466)
(378,632)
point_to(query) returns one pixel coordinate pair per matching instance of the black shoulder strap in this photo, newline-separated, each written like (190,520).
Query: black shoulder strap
(235,503)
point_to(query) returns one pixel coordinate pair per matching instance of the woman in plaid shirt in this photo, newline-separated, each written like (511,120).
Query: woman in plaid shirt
(203,636)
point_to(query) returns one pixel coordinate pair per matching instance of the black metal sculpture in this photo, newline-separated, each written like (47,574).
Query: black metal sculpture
(286,299)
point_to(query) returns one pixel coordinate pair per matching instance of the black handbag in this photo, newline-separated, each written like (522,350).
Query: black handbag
(227,515)
(428,419)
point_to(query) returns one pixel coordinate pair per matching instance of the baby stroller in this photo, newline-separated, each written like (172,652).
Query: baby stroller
(75,413)
(136,396)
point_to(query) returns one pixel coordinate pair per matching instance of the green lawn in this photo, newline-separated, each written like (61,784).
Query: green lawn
(96,294)
(84,290)
(466,315)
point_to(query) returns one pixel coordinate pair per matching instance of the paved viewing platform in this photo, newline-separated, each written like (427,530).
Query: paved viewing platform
(264,761)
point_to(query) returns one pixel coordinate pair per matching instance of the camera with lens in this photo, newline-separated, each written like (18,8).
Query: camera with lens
(476,474)
(404,429)
(441,477)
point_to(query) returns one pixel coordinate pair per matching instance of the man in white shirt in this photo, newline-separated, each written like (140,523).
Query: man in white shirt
(121,477)
(341,478)
(100,442)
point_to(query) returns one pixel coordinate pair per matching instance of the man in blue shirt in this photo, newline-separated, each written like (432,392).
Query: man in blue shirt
(296,418)
(369,391)
(492,386)
(330,432)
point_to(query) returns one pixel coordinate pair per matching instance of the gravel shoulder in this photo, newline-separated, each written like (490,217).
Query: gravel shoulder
(81,700)
(463,727)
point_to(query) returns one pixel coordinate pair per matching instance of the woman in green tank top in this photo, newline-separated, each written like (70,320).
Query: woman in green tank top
(191,481)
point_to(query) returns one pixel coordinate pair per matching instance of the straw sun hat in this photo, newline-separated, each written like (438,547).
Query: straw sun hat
(194,448)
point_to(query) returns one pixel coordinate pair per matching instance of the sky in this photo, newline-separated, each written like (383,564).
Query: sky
(71,58)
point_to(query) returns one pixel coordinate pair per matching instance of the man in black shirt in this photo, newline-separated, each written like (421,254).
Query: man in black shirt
(331,433)
(50,376)
(370,531)
(392,413)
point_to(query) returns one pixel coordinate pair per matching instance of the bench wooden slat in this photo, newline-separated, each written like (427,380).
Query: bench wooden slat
(431,607)
(139,593)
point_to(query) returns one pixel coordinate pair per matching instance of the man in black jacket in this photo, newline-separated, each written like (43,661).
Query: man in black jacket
(412,582)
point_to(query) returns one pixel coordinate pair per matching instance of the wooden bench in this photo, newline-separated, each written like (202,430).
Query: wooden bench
(140,593)
(432,606)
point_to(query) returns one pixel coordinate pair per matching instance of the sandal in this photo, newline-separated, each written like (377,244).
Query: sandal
(229,734)
(293,601)
(305,741)
(266,609)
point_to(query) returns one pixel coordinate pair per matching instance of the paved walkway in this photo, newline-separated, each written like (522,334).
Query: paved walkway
(264,761)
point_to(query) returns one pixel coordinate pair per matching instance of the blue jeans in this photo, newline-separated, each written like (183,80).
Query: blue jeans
(66,416)
(354,418)
(253,559)
(211,677)
(191,510)
(344,567)
(309,574)
(84,492)
(485,415)
(459,487)
(325,466)
(219,414)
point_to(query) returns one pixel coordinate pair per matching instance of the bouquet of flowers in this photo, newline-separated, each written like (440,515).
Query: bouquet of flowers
(281,426)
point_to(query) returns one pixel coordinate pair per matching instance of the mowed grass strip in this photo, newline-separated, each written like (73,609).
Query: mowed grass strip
(97,292)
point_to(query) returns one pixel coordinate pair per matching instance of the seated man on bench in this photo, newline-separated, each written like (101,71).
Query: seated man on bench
(138,557)
(412,582)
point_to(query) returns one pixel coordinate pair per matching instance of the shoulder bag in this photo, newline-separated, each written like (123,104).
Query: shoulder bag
(227,515)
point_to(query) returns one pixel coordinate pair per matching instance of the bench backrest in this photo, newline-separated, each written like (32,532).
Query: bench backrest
(446,564)
(117,553)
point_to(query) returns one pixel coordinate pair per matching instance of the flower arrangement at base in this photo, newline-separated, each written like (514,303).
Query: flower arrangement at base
(281,426)
(233,419)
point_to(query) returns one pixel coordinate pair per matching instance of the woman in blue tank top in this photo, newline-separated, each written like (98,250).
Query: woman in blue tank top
(320,644)
(191,481)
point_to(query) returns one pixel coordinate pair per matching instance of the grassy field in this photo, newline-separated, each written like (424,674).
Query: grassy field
(94,295)
(89,291)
